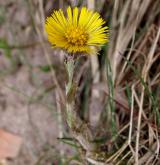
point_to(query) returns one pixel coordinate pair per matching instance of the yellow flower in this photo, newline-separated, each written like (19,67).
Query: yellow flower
(80,31)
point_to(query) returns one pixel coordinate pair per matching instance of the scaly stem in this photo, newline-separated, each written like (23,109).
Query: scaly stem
(79,128)
(69,87)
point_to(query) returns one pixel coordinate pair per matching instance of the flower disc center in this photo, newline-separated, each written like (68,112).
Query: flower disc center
(76,36)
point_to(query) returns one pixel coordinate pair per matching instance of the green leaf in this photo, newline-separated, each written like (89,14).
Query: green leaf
(69,141)
(4,45)
(2,15)
(46,68)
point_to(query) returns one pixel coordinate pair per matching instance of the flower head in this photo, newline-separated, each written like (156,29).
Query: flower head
(80,31)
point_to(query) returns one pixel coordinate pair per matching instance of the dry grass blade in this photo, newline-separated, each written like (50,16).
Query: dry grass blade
(125,31)
(144,73)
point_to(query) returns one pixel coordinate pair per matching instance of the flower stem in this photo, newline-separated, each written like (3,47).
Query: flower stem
(69,87)
(79,128)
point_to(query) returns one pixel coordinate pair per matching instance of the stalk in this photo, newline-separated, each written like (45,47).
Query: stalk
(79,128)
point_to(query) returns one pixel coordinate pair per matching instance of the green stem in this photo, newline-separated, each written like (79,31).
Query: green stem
(69,86)
(70,72)
(80,129)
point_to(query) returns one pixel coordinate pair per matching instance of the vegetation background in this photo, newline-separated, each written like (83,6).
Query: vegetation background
(118,94)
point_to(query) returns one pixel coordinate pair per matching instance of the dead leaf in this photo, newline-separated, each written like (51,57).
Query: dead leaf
(9,145)
(3,162)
